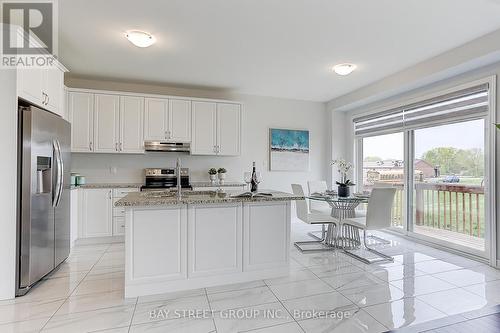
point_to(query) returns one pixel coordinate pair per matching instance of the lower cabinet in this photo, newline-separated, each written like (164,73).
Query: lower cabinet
(266,230)
(158,242)
(97,216)
(214,239)
(96,213)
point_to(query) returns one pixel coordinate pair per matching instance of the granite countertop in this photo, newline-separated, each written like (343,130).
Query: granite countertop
(108,185)
(225,184)
(166,198)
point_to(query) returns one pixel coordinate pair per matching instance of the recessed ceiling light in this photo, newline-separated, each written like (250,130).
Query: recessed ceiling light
(344,69)
(140,38)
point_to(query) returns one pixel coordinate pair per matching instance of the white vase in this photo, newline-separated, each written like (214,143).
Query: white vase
(222,177)
(213,178)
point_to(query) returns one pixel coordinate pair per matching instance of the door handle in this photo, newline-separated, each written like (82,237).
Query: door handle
(59,174)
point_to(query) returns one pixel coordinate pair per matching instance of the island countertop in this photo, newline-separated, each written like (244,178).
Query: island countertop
(165,198)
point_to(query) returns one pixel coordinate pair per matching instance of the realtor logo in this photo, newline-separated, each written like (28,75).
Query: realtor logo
(28,33)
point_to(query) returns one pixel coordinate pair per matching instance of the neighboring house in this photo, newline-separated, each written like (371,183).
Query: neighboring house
(392,171)
(428,170)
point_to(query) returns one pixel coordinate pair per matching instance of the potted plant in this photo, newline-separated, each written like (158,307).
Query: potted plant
(222,174)
(343,167)
(213,174)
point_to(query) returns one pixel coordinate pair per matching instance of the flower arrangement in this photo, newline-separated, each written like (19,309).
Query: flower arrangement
(343,167)
(221,170)
(212,171)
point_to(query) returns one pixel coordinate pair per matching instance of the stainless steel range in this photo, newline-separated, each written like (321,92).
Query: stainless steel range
(164,179)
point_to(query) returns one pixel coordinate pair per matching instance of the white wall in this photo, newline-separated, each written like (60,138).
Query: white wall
(259,114)
(8,176)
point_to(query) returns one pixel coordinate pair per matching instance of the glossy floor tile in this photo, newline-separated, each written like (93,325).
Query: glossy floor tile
(324,292)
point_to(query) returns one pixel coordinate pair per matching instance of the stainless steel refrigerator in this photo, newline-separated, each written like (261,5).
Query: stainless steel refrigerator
(43,195)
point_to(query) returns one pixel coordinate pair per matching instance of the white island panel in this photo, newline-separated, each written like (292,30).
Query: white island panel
(267,235)
(156,244)
(215,239)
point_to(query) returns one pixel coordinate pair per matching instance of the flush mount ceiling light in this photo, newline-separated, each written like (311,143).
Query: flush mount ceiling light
(140,38)
(344,69)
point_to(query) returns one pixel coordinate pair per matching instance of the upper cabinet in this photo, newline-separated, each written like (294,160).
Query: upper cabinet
(42,87)
(106,126)
(216,129)
(131,124)
(167,120)
(81,117)
(119,123)
(105,123)
(204,139)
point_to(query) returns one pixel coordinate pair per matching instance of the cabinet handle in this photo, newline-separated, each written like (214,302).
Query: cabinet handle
(121,144)
(91,146)
(44,98)
(109,194)
(48,99)
(116,146)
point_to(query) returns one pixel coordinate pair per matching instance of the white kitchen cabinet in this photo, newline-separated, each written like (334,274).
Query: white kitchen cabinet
(155,119)
(204,122)
(106,123)
(54,88)
(216,129)
(81,115)
(167,120)
(42,87)
(179,120)
(159,243)
(228,129)
(96,213)
(214,253)
(119,212)
(131,124)
(266,229)
(30,82)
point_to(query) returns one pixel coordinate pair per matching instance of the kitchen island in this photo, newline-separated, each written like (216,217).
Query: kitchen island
(203,239)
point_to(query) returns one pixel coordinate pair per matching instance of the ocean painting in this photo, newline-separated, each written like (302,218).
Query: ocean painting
(289,150)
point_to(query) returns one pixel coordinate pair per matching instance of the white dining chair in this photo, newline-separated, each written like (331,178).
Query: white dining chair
(318,186)
(306,216)
(378,216)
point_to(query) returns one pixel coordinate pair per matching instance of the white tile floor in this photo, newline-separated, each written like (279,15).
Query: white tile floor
(325,292)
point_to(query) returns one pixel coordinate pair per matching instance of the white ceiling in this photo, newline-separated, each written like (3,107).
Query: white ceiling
(281,48)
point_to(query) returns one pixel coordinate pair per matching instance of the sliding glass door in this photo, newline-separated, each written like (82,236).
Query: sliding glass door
(383,165)
(449,194)
(435,153)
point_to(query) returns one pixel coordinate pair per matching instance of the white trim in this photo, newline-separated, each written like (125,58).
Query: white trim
(146,95)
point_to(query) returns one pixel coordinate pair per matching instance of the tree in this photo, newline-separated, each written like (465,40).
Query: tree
(467,162)
(372,159)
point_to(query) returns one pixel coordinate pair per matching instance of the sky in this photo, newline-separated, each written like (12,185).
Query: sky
(461,135)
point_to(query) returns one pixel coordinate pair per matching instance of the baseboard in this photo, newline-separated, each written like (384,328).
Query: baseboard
(99,240)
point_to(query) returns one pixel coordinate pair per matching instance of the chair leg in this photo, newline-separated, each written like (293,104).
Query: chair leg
(323,233)
(325,242)
(383,257)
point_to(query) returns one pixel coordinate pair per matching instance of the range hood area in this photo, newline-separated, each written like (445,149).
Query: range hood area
(162,146)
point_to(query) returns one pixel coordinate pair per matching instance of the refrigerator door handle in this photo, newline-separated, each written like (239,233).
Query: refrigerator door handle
(60,173)
(56,190)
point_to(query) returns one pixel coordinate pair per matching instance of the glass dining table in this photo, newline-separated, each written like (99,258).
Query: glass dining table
(341,236)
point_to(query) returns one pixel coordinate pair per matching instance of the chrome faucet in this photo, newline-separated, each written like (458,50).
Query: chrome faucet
(178,173)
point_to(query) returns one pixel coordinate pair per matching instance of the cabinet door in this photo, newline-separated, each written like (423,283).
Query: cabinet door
(30,85)
(214,239)
(155,120)
(81,115)
(204,128)
(179,120)
(131,124)
(266,241)
(96,214)
(54,88)
(228,129)
(106,120)
(158,239)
